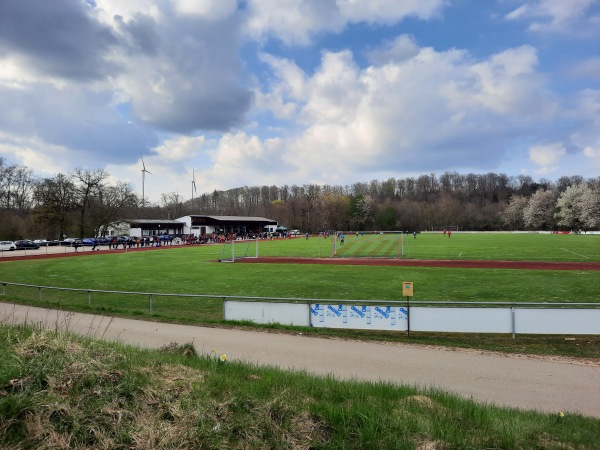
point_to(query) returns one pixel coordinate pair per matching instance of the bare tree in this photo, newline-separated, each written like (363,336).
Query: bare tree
(88,184)
(112,204)
(55,200)
(16,187)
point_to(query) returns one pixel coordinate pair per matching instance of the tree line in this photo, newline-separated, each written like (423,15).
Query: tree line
(84,202)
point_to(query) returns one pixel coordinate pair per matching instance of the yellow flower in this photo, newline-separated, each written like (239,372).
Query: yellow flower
(561,414)
(223,358)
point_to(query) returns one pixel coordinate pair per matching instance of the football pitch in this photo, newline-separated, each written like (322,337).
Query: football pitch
(457,246)
(195,271)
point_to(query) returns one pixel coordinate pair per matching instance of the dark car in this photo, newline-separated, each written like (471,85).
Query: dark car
(25,244)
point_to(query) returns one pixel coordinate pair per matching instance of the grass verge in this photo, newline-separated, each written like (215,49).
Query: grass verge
(62,391)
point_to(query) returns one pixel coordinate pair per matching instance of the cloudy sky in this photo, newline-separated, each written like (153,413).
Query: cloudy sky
(255,92)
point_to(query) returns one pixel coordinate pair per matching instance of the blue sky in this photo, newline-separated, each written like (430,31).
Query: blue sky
(281,92)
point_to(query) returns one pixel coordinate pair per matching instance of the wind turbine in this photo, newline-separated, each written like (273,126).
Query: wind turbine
(193,184)
(144,171)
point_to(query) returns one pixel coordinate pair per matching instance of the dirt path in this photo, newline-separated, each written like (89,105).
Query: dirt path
(522,382)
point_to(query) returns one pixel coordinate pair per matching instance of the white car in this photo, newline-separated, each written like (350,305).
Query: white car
(7,245)
(295,232)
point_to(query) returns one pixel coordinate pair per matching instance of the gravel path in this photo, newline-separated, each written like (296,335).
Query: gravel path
(537,383)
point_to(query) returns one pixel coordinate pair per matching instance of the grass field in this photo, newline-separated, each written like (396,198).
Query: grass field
(460,246)
(194,270)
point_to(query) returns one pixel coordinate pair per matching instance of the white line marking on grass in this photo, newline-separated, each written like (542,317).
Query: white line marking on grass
(583,256)
(460,254)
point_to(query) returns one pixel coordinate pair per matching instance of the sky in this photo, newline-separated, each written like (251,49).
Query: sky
(231,93)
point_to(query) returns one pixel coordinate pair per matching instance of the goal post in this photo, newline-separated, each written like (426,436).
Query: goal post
(452,228)
(234,250)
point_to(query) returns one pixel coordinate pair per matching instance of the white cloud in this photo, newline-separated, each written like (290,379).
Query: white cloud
(297,21)
(44,159)
(432,109)
(402,48)
(179,148)
(547,156)
(209,9)
(552,15)
(237,159)
(386,11)
(292,21)
(588,68)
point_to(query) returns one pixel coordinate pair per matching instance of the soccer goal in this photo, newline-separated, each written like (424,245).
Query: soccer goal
(447,228)
(235,250)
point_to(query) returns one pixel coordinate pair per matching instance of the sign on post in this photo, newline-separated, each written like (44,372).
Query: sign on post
(407,288)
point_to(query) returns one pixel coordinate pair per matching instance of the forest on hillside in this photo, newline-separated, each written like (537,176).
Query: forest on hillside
(84,202)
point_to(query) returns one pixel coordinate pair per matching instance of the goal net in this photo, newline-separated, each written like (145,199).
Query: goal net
(235,250)
(452,228)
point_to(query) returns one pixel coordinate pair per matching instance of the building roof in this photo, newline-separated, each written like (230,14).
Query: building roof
(235,218)
(174,222)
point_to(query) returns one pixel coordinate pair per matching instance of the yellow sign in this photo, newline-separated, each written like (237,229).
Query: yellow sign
(407,289)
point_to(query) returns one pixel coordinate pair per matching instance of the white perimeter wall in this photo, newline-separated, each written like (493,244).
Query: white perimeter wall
(442,319)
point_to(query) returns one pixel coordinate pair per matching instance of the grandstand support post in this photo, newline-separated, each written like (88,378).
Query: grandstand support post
(233,250)
(407,316)
(257,246)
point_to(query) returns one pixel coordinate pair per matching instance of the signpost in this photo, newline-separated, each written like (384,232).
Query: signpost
(407,291)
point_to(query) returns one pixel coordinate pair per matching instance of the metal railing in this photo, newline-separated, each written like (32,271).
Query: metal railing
(450,303)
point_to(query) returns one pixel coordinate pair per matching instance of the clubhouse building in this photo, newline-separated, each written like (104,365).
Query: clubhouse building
(197,225)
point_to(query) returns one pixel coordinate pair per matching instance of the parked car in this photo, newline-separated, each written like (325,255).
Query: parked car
(89,241)
(71,241)
(7,245)
(41,242)
(26,244)
(295,232)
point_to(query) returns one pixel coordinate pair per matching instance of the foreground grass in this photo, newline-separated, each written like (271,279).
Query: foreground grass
(62,391)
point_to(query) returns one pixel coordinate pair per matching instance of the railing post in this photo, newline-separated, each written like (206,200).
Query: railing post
(513,320)
(40,294)
(150,299)
(407,317)
(89,297)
